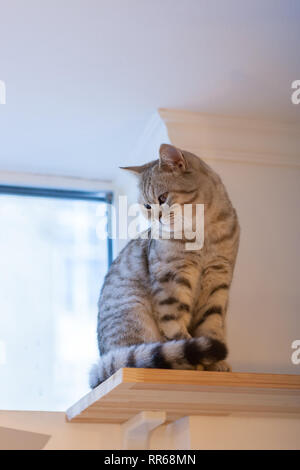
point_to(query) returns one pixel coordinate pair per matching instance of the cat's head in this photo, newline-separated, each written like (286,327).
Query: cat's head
(175,179)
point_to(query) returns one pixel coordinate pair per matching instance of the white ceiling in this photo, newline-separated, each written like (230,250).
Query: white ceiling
(84,76)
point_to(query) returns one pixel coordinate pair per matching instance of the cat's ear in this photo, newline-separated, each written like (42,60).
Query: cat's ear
(171,158)
(136,170)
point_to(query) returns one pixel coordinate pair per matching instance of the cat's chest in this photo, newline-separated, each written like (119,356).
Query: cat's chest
(175,260)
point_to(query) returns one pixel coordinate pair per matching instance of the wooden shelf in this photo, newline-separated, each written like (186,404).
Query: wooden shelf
(181,393)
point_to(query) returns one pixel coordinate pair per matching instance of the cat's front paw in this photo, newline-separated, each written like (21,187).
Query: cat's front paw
(221,366)
(177,336)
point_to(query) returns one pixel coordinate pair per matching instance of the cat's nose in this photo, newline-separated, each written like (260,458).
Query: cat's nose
(160,215)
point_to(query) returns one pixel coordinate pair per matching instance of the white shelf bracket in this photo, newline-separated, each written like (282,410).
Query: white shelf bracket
(136,431)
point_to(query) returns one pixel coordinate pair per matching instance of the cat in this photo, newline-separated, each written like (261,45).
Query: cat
(161,305)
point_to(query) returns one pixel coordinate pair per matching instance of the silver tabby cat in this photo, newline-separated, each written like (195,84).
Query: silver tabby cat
(161,305)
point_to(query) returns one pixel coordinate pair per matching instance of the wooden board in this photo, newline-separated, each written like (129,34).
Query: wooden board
(182,393)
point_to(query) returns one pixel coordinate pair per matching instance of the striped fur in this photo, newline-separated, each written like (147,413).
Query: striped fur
(181,354)
(161,305)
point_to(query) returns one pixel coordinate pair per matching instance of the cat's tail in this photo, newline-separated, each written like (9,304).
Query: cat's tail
(181,354)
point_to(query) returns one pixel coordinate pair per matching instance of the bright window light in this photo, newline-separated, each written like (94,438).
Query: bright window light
(52,266)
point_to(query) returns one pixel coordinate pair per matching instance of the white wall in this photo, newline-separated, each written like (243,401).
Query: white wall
(264,311)
(52,432)
(58,434)
(229,433)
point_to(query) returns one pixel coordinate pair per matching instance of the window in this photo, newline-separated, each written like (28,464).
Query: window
(52,265)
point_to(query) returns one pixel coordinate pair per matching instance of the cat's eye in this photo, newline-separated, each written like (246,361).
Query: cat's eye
(147,206)
(162,198)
